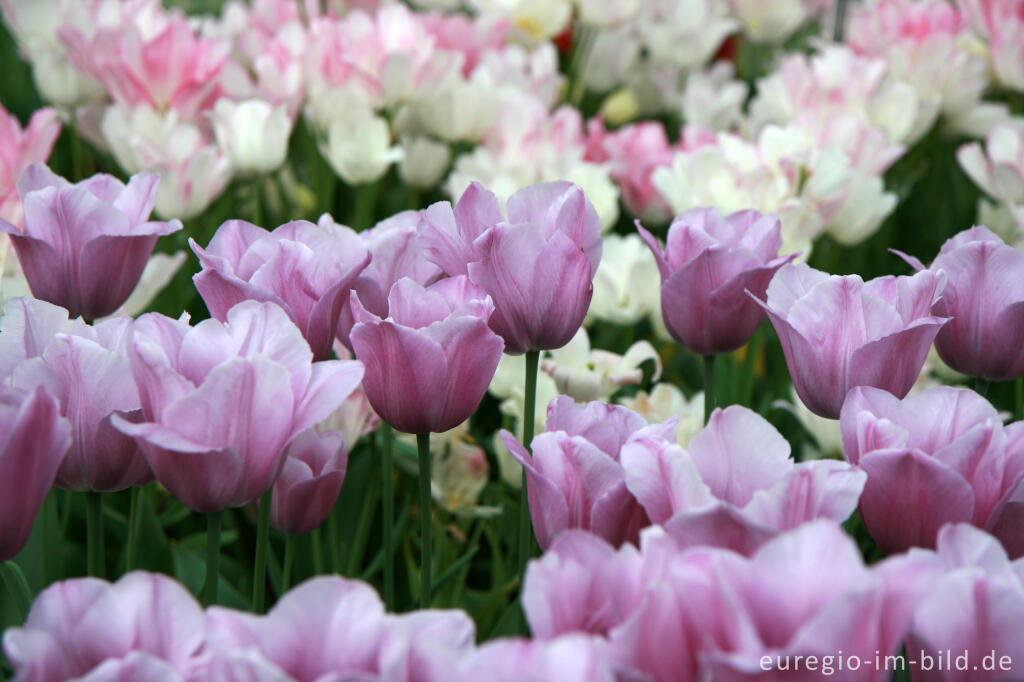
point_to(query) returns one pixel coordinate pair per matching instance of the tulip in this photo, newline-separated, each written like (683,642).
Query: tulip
(575,478)
(626,286)
(360,150)
(571,658)
(25,146)
(975,606)
(587,375)
(939,456)
(310,480)
(984,297)
(253,133)
(220,401)
(143,623)
(87,369)
(35,439)
(705,267)
(736,485)
(84,246)
(306,269)
(838,332)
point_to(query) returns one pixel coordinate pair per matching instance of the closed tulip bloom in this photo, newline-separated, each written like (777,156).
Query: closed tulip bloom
(538,266)
(221,401)
(310,480)
(87,369)
(736,485)
(34,440)
(253,133)
(429,362)
(838,332)
(707,265)
(939,456)
(146,626)
(306,269)
(84,246)
(975,605)
(575,477)
(984,295)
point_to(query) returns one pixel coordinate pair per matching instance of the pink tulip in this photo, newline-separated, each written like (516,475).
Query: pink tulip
(634,152)
(575,477)
(222,400)
(429,362)
(939,456)
(707,265)
(984,296)
(974,607)
(838,332)
(35,439)
(84,246)
(309,483)
(19,148)
(306,269)
(144,624)
(87,369)
(736,486)
(571,658)
(538,266)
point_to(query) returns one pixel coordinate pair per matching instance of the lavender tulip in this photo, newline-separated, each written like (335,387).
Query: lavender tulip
(984,295)
(974,607)
(84,246)
(309,483)
(840,332)
(575,476)
(736,486)
(34,441)
(87,369)
(144,624)
(306,269)
(708,263)
(222,400)
(571,658)
(538,266)
(430,361)
(936,457)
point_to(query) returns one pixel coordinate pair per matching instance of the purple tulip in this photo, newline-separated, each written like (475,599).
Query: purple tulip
(222,400)
(707,265)
(984,295)
(838,332)
(87,369)
(309,483)
(306,269)
(430,361)
(975,607)
(939,456)
(538,266)
(574,476)
(570,658)
(33,442)
(84,246)
(397,250)
(144,624)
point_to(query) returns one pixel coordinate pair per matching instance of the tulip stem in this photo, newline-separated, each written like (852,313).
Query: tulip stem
(981,386)
(289,559)
(426,513)
(529,409)
(17,587)
(1018,399)
(259,581)
(318,551)
(94,533)
(257,202)
(133,516)
(387,494)
(212,558)
(709,386)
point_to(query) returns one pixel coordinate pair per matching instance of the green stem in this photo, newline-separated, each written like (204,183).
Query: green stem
(578,66)
(365,205)
(318,552)
(709,386)
(387,491)
(981,386)
(257,202)
(94,533)
(212,558)
(1018,399)
(17,587)
(259,581)
(426,517)
(133,517)
(529,409)
(289,559)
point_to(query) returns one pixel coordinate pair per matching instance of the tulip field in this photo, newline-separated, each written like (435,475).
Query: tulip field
(501,340)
